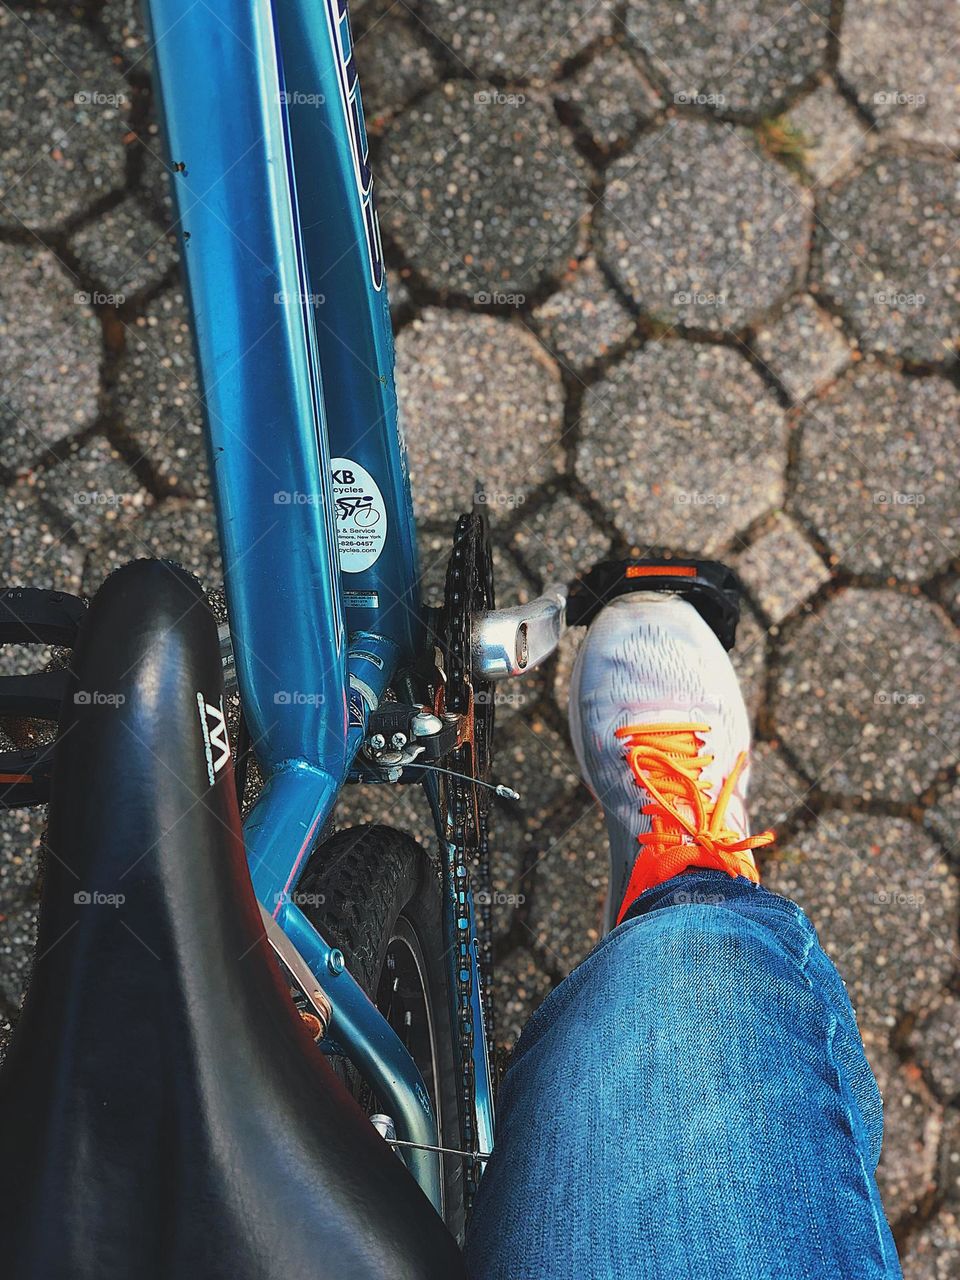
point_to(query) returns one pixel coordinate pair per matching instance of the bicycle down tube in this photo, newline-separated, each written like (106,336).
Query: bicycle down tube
(282,278)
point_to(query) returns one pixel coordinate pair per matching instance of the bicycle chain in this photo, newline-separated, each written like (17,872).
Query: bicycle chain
(469,589)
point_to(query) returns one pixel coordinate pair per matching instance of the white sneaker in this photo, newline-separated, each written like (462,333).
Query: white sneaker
(656,709)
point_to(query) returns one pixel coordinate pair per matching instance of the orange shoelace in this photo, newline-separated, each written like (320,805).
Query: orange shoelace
(687,827)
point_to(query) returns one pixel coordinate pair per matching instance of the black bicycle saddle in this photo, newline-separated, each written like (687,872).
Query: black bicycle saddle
(164,1112)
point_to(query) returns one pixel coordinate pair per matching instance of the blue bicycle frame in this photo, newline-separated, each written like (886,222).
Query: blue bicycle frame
(285,275)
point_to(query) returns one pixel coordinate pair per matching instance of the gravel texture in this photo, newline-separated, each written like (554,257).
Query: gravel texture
(63,119)
(777,792)
(461,379)
(177,530)
(483,192)
(394,63)
(908,83)
(521,40)
(781,569)
(584,320)
(877,889)
(887,254)
(936,1042)
(878,472)
(701,229)
(36,549)
(124,252)
(804,347)
(49,355)
(744,59)
(610,100)
(869,694)
(831,133)
(92,489)
(156,394)
(560,541)
(714,434)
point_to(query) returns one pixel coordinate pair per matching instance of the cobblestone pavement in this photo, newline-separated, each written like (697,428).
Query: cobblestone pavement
(682,278)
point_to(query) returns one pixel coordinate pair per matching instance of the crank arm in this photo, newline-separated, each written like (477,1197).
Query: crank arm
(511,642)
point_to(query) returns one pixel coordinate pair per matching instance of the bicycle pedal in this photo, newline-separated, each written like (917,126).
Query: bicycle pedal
(30,616)
(25,777)
(710,586)
(35,615)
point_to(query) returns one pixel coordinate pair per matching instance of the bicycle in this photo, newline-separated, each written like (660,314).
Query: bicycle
(343,676)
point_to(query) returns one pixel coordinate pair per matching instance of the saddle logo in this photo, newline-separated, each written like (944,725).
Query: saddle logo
(213,726)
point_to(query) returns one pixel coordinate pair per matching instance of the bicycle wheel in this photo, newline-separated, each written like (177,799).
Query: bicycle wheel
(373,892)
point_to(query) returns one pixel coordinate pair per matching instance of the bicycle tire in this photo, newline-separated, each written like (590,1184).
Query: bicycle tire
(366,889)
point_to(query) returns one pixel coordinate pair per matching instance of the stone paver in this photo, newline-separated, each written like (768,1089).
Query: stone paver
(63,114)
(804,347)
(93,488)
(157,396)
(461,379)
(21,831)
(879,457)
(36,549)
(887,254)
(610,99)
(869,694)
(832,133)
(49,355)
(684,445)
(125,252)
(746,59)
(544,260)
(936,1043)
(912,1121)
(483,192)
(394,63)
(560,541)
(700,229)
(781,569)
(584,319)
(777,792)
(877,889)
(177,530)
(521,40)
(573,871)
(910,86)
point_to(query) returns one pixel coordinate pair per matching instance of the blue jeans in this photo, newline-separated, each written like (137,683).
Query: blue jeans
(691,1103)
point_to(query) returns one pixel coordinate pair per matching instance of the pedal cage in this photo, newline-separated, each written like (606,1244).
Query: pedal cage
(33,615)
(710,586)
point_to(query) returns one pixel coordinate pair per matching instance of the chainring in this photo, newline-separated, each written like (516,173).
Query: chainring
(469,591)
